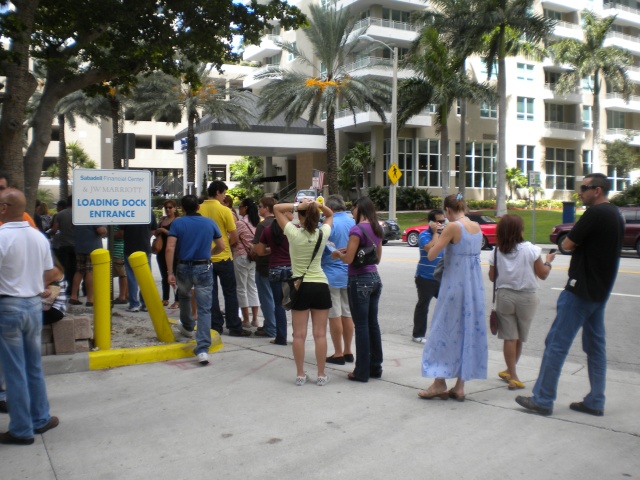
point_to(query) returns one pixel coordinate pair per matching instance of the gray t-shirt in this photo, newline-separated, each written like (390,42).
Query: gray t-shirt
(66,228)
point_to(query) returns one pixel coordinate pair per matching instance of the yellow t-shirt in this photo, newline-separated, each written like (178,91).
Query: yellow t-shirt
(223,217)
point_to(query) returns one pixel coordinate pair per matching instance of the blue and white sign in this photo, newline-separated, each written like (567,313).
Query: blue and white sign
(111,197)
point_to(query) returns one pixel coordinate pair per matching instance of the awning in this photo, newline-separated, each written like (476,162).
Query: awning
(275,178)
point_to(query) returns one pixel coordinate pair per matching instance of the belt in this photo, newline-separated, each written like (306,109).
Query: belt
(194,262)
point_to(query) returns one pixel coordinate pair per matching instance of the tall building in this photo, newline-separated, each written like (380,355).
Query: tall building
(547,132)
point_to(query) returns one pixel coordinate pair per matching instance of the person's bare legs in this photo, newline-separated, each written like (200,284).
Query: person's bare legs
(299,321)
(88,281)
(347,334)
(245,317)
(254,316)
(512,350)
(319,325)
(458,388)
(75,285)
(122,288)
(336,332)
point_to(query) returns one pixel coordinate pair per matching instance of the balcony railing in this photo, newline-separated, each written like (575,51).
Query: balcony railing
(379,22)
(619,6)
(554,86)
(273,38)
(572,26)
(365,62)
(348,113)
(563,125)
(632,98)
(625,132)
(623,36)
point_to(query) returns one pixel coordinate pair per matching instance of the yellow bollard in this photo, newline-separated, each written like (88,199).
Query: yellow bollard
(140,266)
(101,261)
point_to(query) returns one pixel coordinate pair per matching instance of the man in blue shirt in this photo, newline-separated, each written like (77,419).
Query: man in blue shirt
(425,283)
(190,238)
(340,321)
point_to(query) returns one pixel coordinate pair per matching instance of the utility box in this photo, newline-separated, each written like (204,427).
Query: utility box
(568,212)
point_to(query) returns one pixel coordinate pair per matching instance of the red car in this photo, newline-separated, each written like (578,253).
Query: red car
(487,225)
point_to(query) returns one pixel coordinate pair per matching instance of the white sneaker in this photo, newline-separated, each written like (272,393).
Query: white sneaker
(183,331)
(322,381)
(419,339)
(203,358)
(300,381)
(133,309)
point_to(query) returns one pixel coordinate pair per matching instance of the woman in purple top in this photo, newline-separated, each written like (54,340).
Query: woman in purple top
(364,290)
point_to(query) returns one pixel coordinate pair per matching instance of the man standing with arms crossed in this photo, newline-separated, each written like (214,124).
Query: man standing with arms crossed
(193,235)
(596,242)
(222,263)
(24,258)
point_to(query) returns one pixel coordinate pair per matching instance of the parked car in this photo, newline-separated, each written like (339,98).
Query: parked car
(487,225)
(631,231)
(391,230)
(309,193)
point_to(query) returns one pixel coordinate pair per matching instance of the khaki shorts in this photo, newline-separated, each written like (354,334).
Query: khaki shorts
(83,263)
(117,268)
(339,302)
(515,313)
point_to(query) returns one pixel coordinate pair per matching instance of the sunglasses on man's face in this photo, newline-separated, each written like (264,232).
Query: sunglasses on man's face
(584,188)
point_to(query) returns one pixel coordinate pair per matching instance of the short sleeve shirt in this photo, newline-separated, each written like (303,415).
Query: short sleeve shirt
(223,217)
(279,253)
(301,247)
(515,269)
(426,267)
(194,235)
(364,242)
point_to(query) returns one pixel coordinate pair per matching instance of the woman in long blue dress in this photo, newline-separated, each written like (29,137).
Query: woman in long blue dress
(457,344)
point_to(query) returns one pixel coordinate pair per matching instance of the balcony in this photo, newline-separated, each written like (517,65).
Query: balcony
(613,134)
(568,30)
(624,15)
(364,4)
(634,74)
(624,41)
(251,82)
(549,93)
(567,5)
(367,118)
(376,67)
(267,48)
(400,33)
(615,101)
(563,131)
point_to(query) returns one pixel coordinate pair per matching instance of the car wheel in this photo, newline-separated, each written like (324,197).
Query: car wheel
(485,243)
(562,250)
(412,239)
(384,242)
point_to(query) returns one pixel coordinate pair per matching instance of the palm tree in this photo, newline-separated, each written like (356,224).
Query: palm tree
(293,93)
(515,179)
(592,58)
(357,161)
(439,80)
(167,98)
(510,28)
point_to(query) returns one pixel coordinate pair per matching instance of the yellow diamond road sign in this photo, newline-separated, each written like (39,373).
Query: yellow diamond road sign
(394,173)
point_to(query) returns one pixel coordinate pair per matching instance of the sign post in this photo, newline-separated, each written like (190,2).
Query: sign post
(534,182)
(394,173)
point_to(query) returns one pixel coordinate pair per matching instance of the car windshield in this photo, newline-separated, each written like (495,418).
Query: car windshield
(306,193)
(482,219)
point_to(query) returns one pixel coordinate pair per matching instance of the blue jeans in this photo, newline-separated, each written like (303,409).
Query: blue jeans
(3,393)
(200,278)
(574,312)
(135,298)
(267,305)
(276,276)
(225,272)
(364,294)
(20,333)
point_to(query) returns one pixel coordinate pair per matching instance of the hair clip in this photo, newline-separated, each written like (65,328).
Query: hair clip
(459,196)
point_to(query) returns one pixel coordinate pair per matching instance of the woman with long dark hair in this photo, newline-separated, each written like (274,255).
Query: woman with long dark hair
(244,267)
(364,288)
(314,297)
(519,264)
(164,224)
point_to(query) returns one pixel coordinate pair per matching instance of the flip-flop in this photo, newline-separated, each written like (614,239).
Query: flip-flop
(504,376)
(456,396)
(515,385)
(442,395)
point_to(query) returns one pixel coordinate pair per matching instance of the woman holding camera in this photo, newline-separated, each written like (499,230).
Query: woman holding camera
(365,288)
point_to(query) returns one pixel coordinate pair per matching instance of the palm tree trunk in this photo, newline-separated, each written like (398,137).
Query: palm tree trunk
(115,130)
(191,148)
(332,153)
(501,201)
(595,142)
(444,153)
(63,162)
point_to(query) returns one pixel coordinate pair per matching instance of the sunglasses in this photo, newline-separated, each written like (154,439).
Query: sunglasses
(584,188)
(440,221)
(168,207)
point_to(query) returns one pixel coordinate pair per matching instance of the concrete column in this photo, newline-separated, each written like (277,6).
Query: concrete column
(201,168)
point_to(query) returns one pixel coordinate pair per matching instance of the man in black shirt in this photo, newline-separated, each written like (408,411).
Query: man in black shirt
(596,242)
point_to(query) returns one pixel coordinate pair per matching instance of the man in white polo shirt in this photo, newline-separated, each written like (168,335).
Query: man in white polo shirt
(25,257)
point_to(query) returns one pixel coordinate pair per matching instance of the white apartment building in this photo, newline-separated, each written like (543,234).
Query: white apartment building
(547,132)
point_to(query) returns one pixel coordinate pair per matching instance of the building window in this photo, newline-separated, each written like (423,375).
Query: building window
(494,70)
(164,143)
(587,120)
(218,172)
(488,110)
(525,109)
(428,163)
(274,60)
(525,72)
(458,107)
(405,161)
(524,159)
(559,167)
(290,55)
(587,83)
(481,160)
(618,184)
(615,119)
(553,112)
(395,15)
(552,14)
(587,162)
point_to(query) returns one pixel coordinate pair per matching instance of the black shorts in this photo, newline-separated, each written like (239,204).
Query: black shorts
(313,296)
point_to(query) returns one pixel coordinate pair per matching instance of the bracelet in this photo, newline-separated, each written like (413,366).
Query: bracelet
(548,264)
(170,273)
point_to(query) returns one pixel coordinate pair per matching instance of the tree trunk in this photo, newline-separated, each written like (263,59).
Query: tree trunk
(501,187)
(462,172)
(191,150)
(444,154)
(332,154)
(63,162)
(595,142)
(114,107)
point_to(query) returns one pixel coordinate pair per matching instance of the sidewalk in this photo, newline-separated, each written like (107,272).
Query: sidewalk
(242,417)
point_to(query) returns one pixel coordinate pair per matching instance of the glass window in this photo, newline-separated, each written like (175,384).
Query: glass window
(559,167)
(405,161)
(553,112)
(587,120)
(525,109)
(481,159)
(618,184)
(428,163)
(494,69)
(587,162)
(488,110)
(525,72)
(291,56)
(524,159)
(615,119)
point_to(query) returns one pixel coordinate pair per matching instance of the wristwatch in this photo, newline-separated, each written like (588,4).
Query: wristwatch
(295,207)
(548,264)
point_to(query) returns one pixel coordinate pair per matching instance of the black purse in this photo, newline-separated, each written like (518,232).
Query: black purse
(366,255)
(291,286)
(493,316)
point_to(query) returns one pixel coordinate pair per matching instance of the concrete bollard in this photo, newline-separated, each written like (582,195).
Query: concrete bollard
(140,266)
(101,261)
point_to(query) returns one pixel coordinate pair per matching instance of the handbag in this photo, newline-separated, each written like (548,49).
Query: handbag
(439,270)
(493,316)
(366,255)
(291,286)
(251,255)
(158,243)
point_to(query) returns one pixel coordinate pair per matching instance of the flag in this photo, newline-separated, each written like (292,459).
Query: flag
(318,179)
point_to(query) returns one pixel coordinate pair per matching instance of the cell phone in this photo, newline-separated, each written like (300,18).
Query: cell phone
(553,250)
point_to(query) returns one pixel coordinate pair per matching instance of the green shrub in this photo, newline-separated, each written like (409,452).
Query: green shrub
(481,204)
(380,197)
(631,196)
(412,198)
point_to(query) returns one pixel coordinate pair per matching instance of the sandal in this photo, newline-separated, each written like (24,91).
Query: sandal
(456,396)
(174,306)
(515,385)
(322,380)
(504,376)
(165,302)
(300,381)
(428,394)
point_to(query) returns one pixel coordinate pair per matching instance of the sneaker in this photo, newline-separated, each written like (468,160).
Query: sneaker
(419,339)
(143,308)
(52,423)
(241,333)
(300,381)
(183,331)
(3,407)
(322,381)
(133,309)
(203,358)
(528,403)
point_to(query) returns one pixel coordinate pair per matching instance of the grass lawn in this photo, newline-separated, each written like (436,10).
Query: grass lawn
(545,221)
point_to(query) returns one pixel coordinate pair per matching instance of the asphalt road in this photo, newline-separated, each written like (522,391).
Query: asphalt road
(622,315)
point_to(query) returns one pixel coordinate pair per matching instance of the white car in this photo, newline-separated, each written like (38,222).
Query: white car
(310,193)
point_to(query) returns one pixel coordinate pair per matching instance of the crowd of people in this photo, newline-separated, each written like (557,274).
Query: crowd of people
(333,259)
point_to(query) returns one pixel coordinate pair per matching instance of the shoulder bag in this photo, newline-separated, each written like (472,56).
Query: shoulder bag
(366,255)
(291,286)
(493,317)
(251,255)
